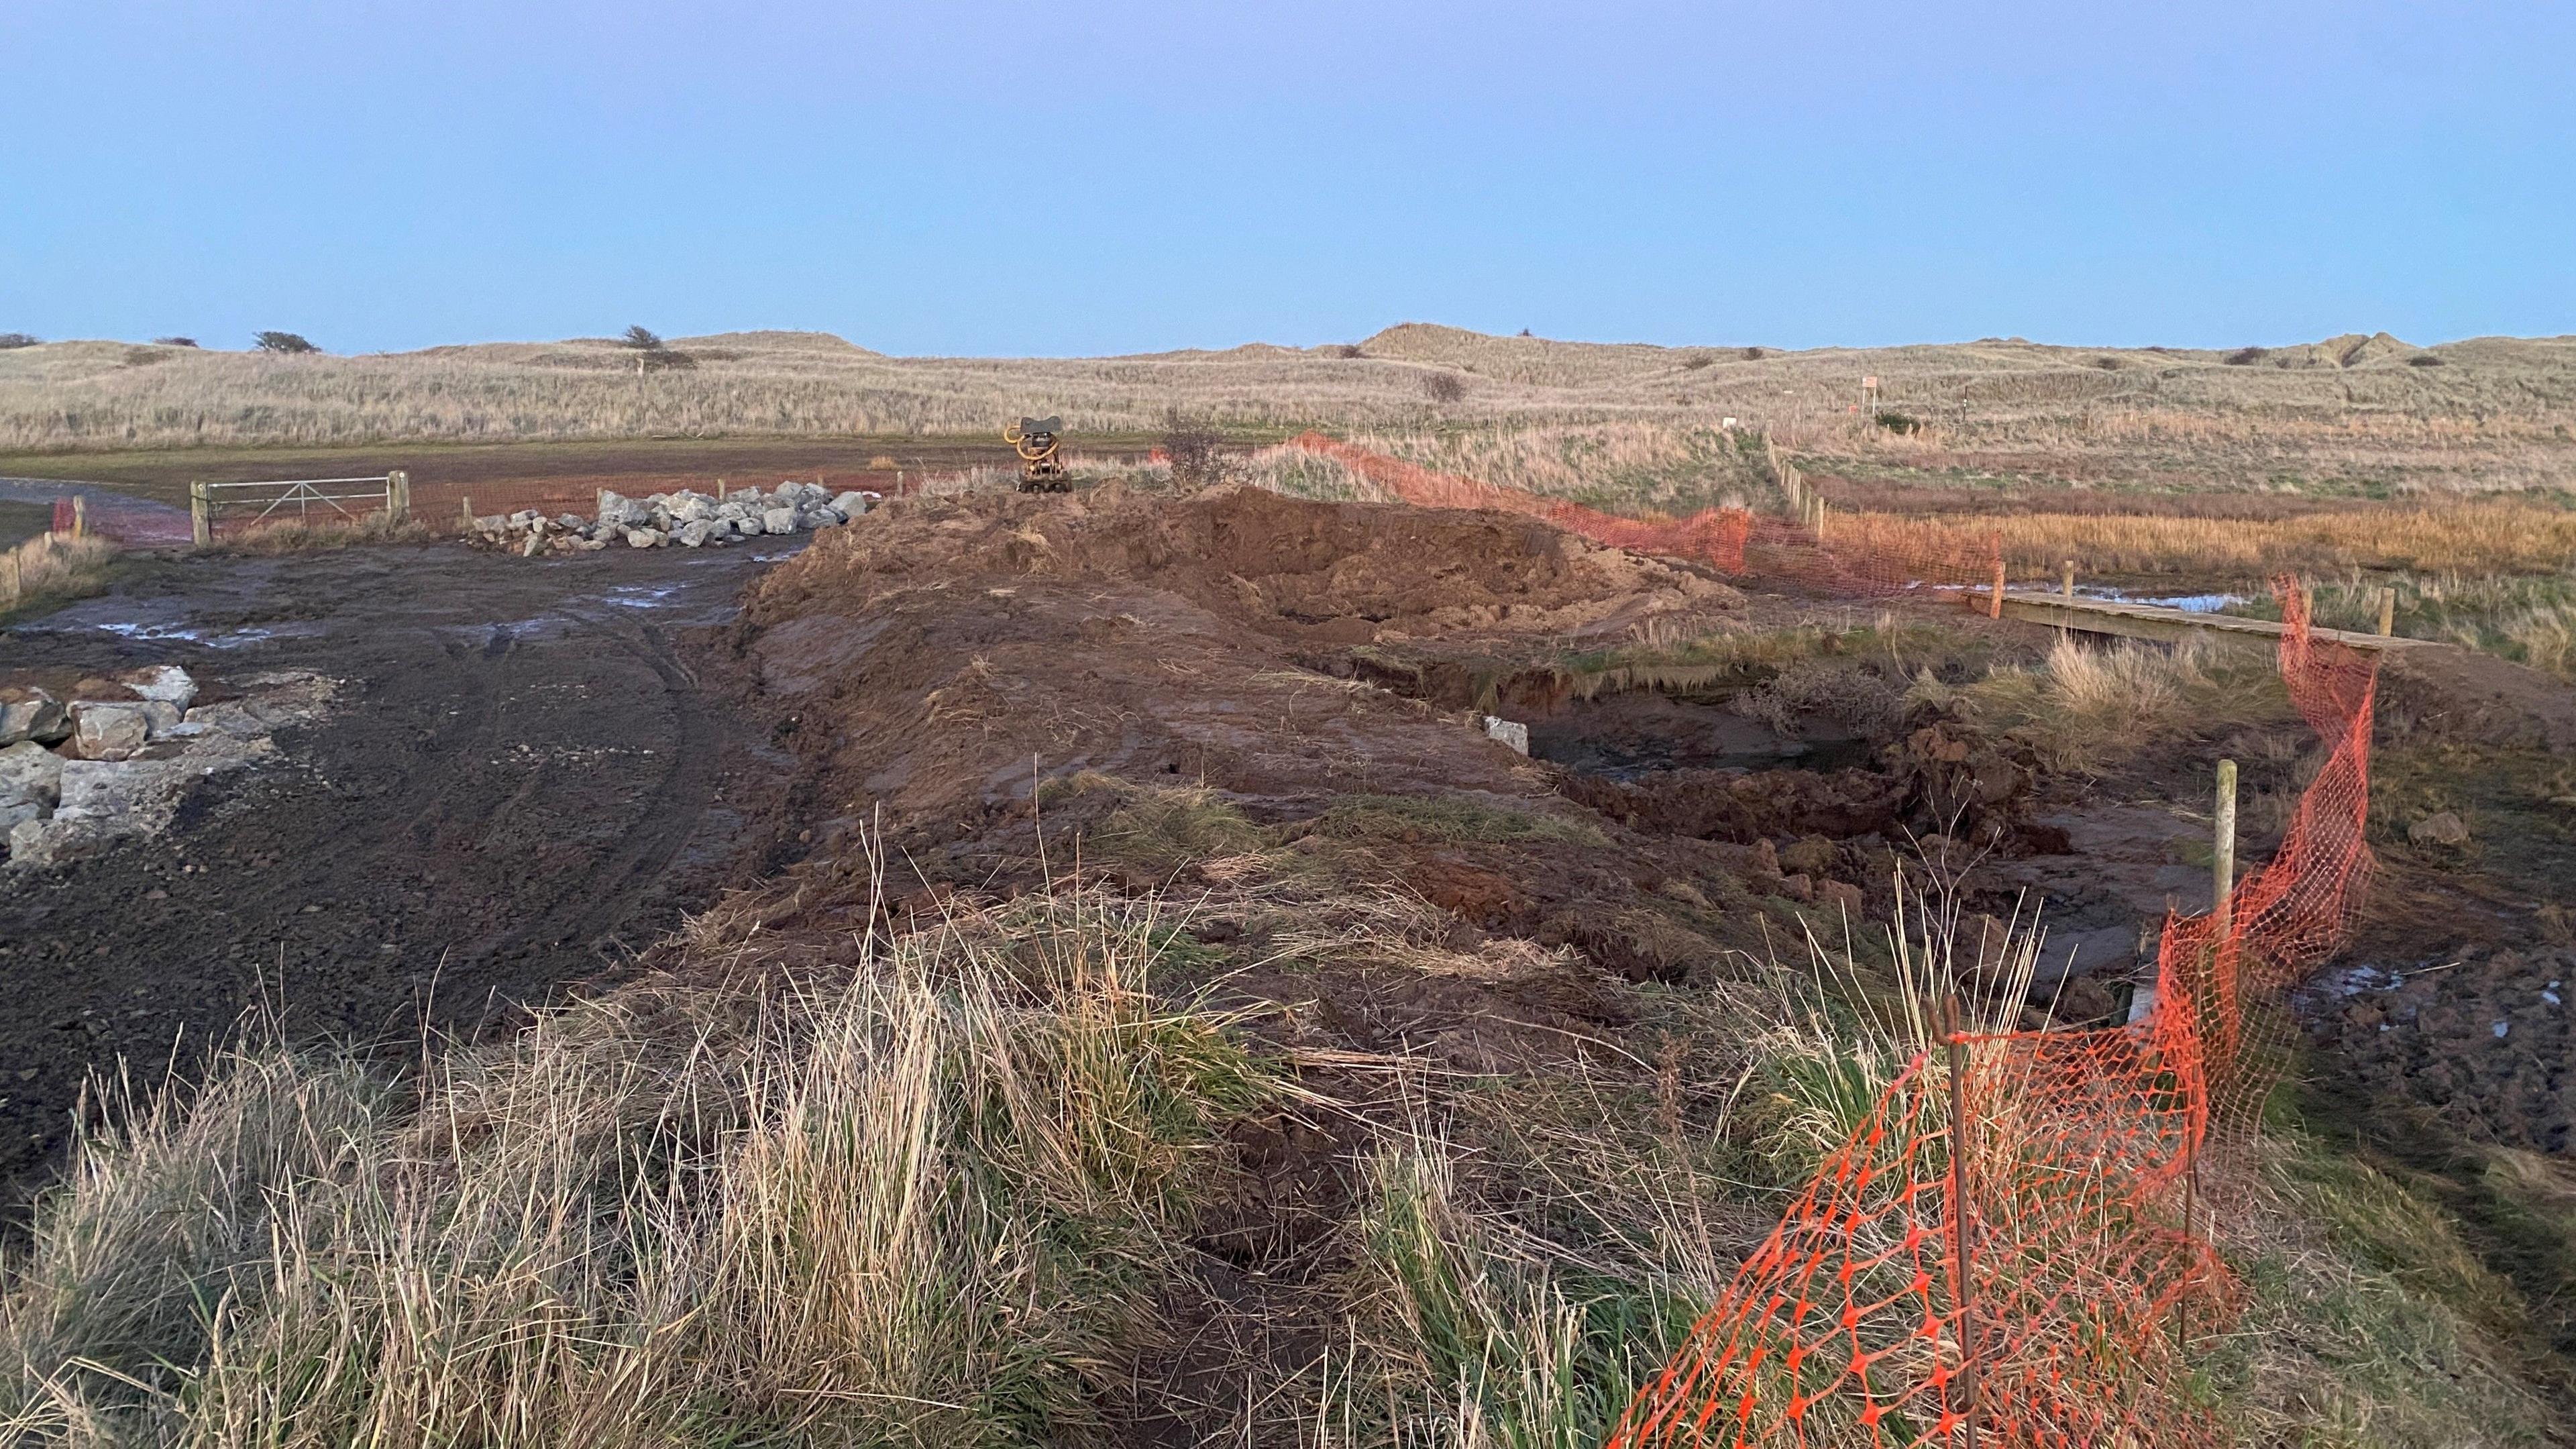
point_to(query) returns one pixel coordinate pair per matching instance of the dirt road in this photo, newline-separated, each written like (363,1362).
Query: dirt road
(529,772)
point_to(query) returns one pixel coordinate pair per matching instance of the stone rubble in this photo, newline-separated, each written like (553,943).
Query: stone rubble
(688,519)
(75,774)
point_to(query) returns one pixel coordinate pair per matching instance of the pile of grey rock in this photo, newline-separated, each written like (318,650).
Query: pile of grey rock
(77,772)
(687,518)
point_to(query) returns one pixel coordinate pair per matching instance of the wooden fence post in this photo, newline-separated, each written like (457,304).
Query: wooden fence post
(2387,611)
(466,502)
(1962,1219)
(398,497)
(201,515)
(2067,587)
(2222,850)
(1995,604)
(80,515)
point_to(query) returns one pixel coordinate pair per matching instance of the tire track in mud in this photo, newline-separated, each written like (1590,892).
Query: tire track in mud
(494,813)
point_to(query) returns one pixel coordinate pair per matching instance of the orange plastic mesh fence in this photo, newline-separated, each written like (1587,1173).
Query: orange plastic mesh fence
(2074,1191)
(1864,556)
(2008,1249)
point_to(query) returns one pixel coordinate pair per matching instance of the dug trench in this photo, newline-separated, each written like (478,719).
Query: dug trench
(1268,713)
(526,774)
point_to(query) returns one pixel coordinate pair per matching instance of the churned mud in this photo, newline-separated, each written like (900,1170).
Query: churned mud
(526,772)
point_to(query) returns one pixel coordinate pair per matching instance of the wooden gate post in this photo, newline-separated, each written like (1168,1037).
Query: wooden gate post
(466,503)
(201,515)
(2387,611)
(398,497)
(2068,575)
(1995,604)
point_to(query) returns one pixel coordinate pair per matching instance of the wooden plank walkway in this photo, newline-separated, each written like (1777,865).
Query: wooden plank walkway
(2151,621)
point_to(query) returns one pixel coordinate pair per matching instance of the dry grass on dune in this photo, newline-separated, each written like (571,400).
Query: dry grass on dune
(2491,536)
(2495,413)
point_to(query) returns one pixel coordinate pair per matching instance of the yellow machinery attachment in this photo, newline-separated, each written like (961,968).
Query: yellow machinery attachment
(1034,439)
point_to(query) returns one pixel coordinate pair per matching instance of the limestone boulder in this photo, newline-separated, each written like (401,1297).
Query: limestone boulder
(779,520)
(38,717)
(102,731)
(167,683)
(30,772)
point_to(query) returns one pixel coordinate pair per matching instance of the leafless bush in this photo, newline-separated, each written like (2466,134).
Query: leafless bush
(284,344)
(2247,356)
(1192,446)
(1347,349)
(17,339)
(1445,387)
(174,341)
(654,355)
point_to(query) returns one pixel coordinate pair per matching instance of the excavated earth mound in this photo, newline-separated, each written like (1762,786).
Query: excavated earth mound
(1313,572)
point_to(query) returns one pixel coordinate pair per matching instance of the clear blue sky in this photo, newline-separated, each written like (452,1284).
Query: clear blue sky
(1121,175)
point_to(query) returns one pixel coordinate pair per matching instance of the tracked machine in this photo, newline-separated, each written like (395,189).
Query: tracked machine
(1034,439)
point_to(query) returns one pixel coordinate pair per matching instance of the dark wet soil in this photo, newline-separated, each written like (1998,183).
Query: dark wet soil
(530,772)
(1637,732)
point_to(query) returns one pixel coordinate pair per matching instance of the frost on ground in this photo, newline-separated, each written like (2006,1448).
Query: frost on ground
(114,758)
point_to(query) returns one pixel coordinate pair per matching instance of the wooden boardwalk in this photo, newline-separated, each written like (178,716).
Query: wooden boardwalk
(2151,621)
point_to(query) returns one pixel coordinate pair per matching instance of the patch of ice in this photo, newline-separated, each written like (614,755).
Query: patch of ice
(2501,1028)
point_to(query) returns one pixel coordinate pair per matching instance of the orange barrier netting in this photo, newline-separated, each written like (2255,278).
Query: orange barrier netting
(1866,558)
(1861,1322)
(2006,1250)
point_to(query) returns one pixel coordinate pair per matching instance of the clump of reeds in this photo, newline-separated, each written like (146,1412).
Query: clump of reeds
(51,567)
(2081,704)
(929,1200)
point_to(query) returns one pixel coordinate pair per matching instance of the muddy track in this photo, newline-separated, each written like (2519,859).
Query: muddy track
(530,772)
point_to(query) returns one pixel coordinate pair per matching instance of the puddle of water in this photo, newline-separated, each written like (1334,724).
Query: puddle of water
(2188,603)
(642,596)
(212,638)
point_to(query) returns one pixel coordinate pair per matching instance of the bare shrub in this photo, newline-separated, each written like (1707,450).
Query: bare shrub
(1445,387)
(1193,446)
(1347,349)
(10,340)
(284,344)
(652,354)
(174,341)
(2247,356)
